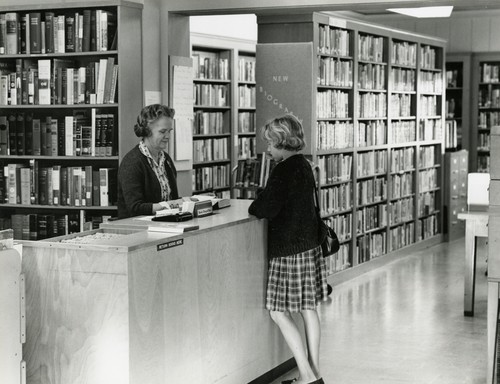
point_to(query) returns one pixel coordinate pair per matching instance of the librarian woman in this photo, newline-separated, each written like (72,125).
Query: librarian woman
(147,175)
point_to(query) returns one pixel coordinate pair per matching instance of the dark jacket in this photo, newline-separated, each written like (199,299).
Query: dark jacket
(287,202)
(138,186)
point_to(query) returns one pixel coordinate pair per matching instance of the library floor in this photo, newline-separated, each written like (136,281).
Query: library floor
(404,323)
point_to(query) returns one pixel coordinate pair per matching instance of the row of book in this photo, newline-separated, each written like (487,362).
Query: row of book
(428,179)
(58,81)
(206,123)
(57,185)
(402,236)
(335,168)
(212,95)
(427,156)
(208,178)
(334,135)
(490,73)
(403,131)
(429,105)
(39,226)
(488,119)
(372,105)
(428,57)
(428,227)
(84,133)
(371,76)
(246,69)
(401,211)
(254,172)
(334,41)
(335,199)
(371,163)
(371,191)
(334,72)
(210,150)
(247,122)
(451,136)
(371,218)
(338,261)
(247,147)
(430,82)
(483,163)
(483,142)
(246,96)
(402,159)
(47,32)
(430,129)
(426,203)
(404,53)
(342,225)
(371,48)
(332,104)
(210,65)
(402,79)
(400,105)
(370,246)
(402,185)
(489,97)
(372,133)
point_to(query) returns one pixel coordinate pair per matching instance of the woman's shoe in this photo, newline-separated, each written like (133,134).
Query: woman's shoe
(289,381)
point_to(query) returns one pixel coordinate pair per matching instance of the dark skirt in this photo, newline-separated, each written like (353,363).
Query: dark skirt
(296,282)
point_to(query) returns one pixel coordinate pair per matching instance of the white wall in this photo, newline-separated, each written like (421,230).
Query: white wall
(234,26)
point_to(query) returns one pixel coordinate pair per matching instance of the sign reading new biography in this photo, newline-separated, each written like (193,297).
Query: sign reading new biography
(285,83)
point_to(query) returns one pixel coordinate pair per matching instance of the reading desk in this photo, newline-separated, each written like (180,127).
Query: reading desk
(152,307)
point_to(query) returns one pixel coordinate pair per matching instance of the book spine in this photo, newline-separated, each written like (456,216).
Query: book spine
(37,148)
(3,34)
(20,134)
(35,32)
(28,134)
(4,140)
(49,32)
(44,75)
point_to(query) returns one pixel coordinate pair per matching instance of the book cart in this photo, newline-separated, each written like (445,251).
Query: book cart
(371,100)
(71,88)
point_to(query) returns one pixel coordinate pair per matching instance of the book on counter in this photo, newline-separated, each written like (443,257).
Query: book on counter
(172,227)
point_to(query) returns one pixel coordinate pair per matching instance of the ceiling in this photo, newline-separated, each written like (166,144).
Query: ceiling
(477,5)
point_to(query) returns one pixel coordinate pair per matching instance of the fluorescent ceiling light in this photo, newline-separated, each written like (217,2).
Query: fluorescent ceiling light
(424,11)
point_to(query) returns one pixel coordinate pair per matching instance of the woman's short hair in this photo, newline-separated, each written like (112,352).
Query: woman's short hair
(285,132)
(149,115)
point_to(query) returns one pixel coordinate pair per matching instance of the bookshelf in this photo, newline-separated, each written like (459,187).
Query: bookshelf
(457,108)
(223,133)
(485,108)
(72,92)
(372,104)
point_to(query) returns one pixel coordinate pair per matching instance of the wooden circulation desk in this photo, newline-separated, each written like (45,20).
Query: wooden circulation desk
(132,310)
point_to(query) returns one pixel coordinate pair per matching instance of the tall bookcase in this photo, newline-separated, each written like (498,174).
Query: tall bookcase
(457,107)
(66,128)
(372,104)
(224,128)
(485,108)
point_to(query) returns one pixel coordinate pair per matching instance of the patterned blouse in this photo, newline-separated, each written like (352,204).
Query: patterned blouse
(158,169)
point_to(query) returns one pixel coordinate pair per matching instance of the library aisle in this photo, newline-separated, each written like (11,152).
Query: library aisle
(404,323)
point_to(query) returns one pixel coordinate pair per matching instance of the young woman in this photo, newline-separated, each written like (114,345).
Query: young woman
(297,272)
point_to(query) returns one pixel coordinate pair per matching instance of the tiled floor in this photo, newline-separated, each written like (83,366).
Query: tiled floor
(404,323)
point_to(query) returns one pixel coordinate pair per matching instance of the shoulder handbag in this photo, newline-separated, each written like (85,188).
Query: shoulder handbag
(329,240)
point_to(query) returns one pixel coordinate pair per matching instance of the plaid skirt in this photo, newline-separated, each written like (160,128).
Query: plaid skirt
(296,282)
